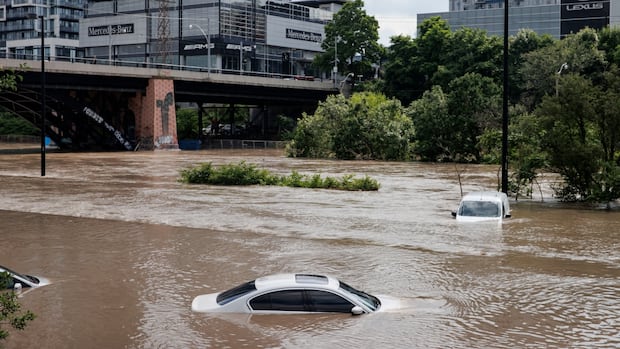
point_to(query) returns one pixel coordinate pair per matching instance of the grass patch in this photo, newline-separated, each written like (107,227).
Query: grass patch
(248,174)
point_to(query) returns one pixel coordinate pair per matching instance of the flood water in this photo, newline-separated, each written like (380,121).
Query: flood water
(128,247)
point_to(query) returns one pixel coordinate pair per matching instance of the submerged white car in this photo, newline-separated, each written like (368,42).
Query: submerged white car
(483,206)
(19,281)
(293,293)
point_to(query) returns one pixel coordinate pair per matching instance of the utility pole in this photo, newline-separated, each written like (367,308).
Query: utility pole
(43,96)
(505,105)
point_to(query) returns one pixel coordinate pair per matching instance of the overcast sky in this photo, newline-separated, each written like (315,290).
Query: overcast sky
(399,16)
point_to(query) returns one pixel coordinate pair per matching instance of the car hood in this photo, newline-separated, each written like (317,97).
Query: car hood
(26,281)
(389,303)
(43,281)
(206,303)
(478,219)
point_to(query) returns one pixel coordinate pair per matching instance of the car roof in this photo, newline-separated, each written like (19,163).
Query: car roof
(5,269)
(485,196)
(296,280)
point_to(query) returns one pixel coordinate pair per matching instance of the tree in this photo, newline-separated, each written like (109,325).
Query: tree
(448,126)
(471,51)
(527,156)
(439,56)
(187,124)
(10,309)
(610,44)
(571,135)
(12,124)
(401,74)
(366,126)
(415,64)
(352,37)
(474,104)
(434,41)
(9,79)
(373,127)
(608,116)
(579,51)
(431,117)
(525,41)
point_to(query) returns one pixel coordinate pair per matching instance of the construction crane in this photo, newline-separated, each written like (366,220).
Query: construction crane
(163,31)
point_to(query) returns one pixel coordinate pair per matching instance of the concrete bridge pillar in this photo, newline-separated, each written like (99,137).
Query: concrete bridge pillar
(156,121)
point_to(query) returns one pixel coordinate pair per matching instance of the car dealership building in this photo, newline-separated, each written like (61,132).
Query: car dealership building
(263,36)
(555,17)
(268,36)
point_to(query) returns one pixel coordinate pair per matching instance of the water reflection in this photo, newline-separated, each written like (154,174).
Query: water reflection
(128,247)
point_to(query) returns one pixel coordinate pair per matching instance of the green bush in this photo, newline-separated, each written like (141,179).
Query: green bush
(248,174)
(366,126)
(14,125)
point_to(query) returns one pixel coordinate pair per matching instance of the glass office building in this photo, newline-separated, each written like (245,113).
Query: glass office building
(268,36)
(555,17)
(20,28)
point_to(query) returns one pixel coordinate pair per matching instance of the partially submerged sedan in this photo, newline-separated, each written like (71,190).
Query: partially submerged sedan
(19,281)
(293,293)
(483,206)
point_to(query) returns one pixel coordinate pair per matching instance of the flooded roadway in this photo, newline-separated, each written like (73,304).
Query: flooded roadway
(128,247)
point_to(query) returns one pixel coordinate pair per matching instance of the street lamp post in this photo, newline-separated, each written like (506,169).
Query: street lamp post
(291,69)
(335,69)
(110,44)
(505,105)
(557,78)
(42,19)
(208,38)
(43,97)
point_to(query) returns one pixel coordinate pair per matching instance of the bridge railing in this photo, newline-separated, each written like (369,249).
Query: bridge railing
(170,66)
(224,143)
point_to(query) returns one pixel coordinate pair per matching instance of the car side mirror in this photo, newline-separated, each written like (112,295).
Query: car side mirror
(357,310)
(453,213)
(17,286)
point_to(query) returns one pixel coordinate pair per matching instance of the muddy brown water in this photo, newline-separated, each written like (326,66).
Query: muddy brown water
(127,247)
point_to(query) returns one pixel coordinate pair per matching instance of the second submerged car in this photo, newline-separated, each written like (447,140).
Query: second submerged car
(293,293)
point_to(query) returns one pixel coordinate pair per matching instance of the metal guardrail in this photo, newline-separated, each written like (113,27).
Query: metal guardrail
(169,66)
(243,144)
(19,139)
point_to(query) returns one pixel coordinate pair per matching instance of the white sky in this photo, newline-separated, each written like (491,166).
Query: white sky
(399,16)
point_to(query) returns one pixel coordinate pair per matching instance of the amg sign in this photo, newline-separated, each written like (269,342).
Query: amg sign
(578,14)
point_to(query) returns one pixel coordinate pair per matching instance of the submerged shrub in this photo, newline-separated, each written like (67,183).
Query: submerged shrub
(198,175)
(248,174)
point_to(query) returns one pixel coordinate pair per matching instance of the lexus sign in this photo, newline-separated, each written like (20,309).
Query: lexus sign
(578,14)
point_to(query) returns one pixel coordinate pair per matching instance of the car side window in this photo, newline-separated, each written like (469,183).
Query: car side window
(289,300)
(322,301)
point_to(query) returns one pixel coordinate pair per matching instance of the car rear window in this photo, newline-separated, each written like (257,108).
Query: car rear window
(236,292)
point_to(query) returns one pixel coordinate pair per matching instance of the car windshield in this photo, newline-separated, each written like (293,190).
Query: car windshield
(371,301)
(236,292)
(23,276)
(479,209)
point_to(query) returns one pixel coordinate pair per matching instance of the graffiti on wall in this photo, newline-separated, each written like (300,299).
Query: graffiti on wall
(117,134)
(164,108)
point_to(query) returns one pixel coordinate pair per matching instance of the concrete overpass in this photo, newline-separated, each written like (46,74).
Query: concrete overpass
(116,107)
